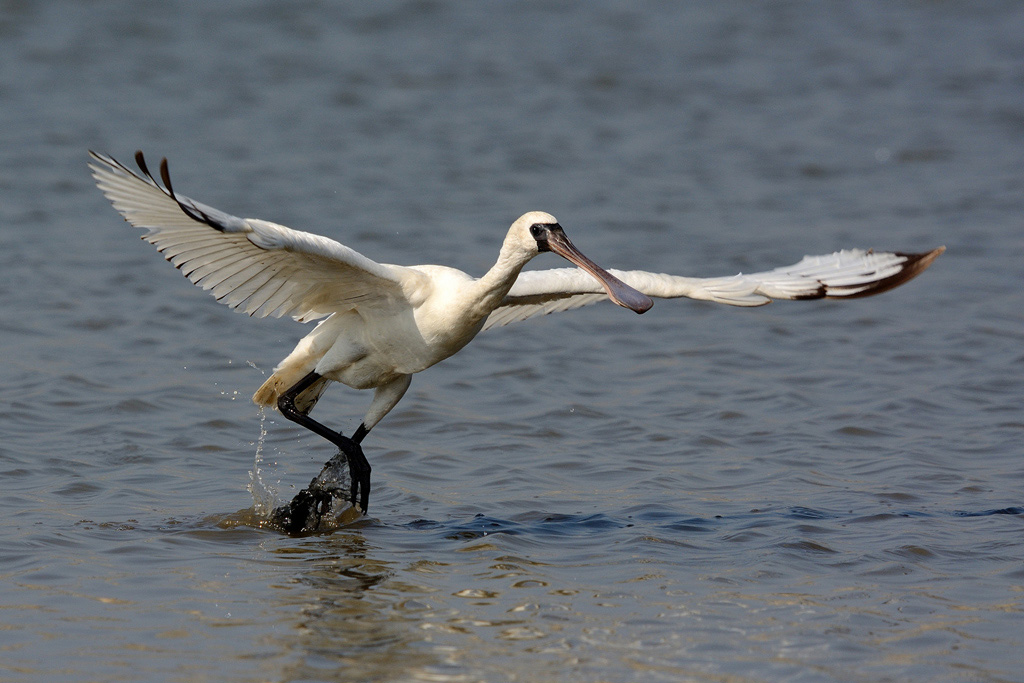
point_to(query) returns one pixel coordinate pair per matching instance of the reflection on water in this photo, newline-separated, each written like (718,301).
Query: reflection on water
(377,602)
(805,491)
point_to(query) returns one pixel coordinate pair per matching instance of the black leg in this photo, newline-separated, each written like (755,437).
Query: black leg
(359,470)
(359,467)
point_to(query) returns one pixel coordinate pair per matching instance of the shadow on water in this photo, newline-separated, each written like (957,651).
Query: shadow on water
(540,526)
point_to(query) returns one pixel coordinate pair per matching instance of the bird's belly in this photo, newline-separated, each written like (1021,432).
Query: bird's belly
(367,353)
(372,366)
(369,356)
(365,374)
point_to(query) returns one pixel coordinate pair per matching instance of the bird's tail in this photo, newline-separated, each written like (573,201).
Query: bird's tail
(280,382)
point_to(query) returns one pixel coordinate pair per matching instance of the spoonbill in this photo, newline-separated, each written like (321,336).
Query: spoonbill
(380,323)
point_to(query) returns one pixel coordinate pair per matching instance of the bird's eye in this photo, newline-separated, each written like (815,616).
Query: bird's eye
(536,230)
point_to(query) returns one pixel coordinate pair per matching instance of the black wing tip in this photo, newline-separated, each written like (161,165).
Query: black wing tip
(925,257)
(820,293)
(189,209)
(140,159)
(914,265)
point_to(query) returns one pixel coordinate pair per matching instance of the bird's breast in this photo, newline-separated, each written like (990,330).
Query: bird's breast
(411,337)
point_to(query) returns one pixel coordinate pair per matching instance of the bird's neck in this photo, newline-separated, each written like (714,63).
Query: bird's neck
(496,282)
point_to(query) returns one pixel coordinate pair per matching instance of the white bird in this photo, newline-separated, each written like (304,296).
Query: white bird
(383,323)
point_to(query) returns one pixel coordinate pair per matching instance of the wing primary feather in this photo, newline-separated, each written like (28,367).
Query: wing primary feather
(267,269)
(912,266)
(239,290)
(851,273)
(140,159)
(266,293)
(212,275)
(193,211)
(253,265)
(196,269)
(206,253)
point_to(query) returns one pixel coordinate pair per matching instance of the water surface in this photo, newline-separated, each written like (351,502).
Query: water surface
(820,491)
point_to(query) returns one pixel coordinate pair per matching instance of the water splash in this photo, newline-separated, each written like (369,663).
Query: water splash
(320,507)
(264,497)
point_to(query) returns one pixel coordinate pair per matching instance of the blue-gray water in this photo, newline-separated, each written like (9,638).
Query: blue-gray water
(812,491)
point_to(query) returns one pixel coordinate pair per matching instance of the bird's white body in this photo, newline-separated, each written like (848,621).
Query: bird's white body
(382,351)
(381,342)
(383,323)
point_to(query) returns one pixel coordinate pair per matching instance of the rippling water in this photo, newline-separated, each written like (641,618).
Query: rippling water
(809,491)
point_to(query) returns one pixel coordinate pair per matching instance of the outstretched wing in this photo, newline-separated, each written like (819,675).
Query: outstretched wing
(255,266)
(845,274)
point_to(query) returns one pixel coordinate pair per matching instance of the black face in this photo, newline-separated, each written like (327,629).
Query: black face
(541,232)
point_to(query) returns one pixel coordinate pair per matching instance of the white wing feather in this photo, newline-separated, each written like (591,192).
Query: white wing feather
(256,266)
(267,269)
(848,273)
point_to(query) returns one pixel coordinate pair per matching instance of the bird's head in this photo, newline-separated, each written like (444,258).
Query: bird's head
(536,232)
